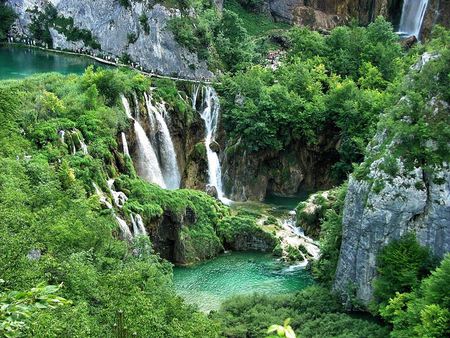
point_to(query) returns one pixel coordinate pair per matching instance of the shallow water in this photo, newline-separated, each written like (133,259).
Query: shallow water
(287,203)
(208,284)
(20,62)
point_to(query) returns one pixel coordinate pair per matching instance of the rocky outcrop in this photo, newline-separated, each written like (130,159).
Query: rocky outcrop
(327,14)
(438,12)
(413,201)
(393,196)
(111,24)
(252,176)
(171,239)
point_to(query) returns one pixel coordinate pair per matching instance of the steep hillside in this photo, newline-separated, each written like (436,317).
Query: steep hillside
(403,185)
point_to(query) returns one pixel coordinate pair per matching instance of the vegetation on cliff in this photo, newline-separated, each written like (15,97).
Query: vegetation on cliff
(326,85)
(7,17)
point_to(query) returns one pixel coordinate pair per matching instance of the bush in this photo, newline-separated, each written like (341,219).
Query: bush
(426,311)
(400,266)
(7,18)
(314,312)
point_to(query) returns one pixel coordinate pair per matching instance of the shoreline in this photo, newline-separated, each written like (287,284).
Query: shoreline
(106,62)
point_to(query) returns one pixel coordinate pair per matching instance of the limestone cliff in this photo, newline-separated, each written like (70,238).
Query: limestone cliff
(399,194)
(250,176)
(119,31)
(327,14)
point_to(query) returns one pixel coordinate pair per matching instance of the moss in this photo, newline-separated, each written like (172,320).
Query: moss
(293,254)
(231,228)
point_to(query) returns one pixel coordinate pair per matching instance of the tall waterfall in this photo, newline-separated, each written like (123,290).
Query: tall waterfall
(165,147)
(413,12)
(147,164)
(210,114)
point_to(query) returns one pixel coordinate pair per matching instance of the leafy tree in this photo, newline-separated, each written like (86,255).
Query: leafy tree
(18,307)
(400,266)
(7,18)
(424,312)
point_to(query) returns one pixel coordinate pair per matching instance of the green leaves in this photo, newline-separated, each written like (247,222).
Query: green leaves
(17,307)
(284,330)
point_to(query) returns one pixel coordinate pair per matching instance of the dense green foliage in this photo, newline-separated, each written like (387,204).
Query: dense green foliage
(314,312)
(7,17)
(417,128)
(330,239)
(326,85)
(53,228)
(41,21)
(232,228)
(400,267)
(229,40)
(424,312)
(18,307)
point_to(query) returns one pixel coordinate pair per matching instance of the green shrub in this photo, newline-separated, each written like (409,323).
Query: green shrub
(7,18)
(400,266)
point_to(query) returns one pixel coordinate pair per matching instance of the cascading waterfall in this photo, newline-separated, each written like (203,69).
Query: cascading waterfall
(124,229)
(125,145)
(295,235)
(119,197)
(210,114)
(163,140)
(413,12)
(84,148)
(147,164)
(138,225)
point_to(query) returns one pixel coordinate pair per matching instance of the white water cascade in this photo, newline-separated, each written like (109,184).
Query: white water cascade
(147,164)
(413,12)
(138,225)
(125,145)
(291,235)
(124,229)
(163,140)
(210,114)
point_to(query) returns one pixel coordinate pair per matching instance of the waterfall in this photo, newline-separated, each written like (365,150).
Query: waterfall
(84,148)
(124,229)
(138,225)
(147,164)
(163,139)
(119,197)
(126,233)
(125,145)
(413,12)
(210,114)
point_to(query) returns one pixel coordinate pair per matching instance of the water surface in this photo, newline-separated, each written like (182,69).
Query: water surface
(238,273)
(20,62)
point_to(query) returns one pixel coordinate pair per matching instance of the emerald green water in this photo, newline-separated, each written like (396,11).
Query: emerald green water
(287,203)
(20,62)
(238,273)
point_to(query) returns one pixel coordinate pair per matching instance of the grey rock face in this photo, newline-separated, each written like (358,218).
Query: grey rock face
(410,202)
(110,23)
(34,255)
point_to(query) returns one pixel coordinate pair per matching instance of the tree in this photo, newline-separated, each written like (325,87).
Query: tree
(18,307)
(7,18)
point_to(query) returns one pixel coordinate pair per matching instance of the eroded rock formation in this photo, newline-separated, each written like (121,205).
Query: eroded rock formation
(113,25)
